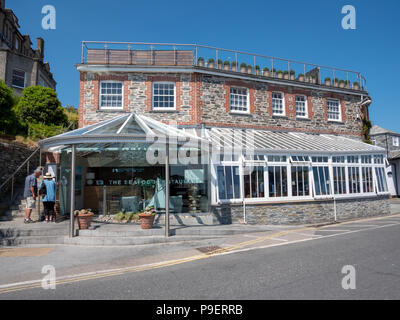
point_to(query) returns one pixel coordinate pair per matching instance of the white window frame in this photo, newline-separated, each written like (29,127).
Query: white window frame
(101,94)
(339,110)
(152,96)
(396,141)
(283,104)
(16,69)
(247,100)
(305,106)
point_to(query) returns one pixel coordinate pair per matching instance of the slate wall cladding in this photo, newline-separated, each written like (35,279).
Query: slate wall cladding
(310,212)
(205,99)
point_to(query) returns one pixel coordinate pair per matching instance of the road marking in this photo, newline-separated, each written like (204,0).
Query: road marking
(279,239)
(12,287)
(308,235)
(334,230)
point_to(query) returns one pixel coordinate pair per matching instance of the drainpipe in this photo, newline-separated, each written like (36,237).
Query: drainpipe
(72,184)
(167,190)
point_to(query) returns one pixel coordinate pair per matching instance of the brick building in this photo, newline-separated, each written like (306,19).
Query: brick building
(297,126)
(20,65)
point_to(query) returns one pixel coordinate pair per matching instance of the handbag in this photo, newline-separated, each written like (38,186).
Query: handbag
(42,190)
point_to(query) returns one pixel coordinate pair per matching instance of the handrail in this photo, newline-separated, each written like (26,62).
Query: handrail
(19,168)
(84,45)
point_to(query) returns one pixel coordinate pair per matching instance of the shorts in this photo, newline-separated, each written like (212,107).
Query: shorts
(30,203)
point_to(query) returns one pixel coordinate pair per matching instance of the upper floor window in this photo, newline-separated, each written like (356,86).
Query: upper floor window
(277,103)
(301,106)
(18,78)
(111,93)
(396,141)
(163,95)
(333,108)
(239,99)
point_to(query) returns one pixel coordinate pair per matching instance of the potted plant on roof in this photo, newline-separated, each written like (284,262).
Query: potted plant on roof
(147,217)
(356,86)
(292,74)
(347,84)
(266,72)
(219,64)
(234,66)
(210,63)
(200,62)
(84,218)
(286,75)
(342,83)
(314,79)
(226,65)
(336,82)
(273,72)
(243,67)
(327,81)
(257,70)
(301,77)
(279,73)
(249,69)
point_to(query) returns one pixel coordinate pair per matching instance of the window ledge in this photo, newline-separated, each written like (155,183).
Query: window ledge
(336,122)
(112,110)
(303,119)
(163,111)
(238,113)
(276,116)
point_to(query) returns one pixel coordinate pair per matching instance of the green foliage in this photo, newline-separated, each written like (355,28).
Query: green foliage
(226,63)
(41,105)
(266,69)
(72,116)
(8,120)
(243,65)
(211,60)
(42,131)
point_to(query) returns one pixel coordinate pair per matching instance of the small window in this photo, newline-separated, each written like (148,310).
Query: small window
(333,107)
(18,78)
(301,106)
(396,142)
(111,94)
(276,158)
(277,104)
(381,180)
(239,99)
(378,159)
(228,182)
(163,95)
(352,159)
(321,180)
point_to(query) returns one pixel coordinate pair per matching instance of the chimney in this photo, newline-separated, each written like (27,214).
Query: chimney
(40,46)
(2,4)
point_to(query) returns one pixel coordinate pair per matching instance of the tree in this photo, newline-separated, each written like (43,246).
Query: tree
(73,117)
(8,119)
(40,105)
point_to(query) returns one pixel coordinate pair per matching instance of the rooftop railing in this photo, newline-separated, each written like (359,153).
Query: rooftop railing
(173,54)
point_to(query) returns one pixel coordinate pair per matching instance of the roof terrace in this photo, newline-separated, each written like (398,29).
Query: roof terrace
(205,57)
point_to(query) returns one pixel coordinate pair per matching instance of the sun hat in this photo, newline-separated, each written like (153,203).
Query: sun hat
(48,175)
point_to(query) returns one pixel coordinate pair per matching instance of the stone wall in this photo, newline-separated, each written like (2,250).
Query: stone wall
(308,212)
(204,99)
(12,155)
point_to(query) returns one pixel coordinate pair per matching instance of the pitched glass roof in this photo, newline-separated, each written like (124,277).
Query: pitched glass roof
(138,128)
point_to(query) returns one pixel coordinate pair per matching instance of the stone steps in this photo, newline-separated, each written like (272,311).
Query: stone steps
(28,240)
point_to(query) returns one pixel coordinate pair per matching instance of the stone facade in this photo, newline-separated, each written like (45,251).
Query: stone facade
(16,53)
(308,212)
(204,99)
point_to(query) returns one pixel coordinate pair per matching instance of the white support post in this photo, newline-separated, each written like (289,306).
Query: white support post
(167,189)
(72,186)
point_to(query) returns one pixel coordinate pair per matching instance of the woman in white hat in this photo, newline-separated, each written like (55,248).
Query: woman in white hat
(48,191)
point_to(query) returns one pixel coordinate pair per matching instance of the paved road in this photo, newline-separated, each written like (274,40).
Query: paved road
(305,264)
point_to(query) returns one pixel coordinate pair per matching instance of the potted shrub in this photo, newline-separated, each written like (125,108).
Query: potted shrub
(266,72)
(356,86)
(210,63)
(301,77)
(336,82)
(249,69)
(226,65)
(279,74)
(347,84)
(342,83)
(327,81)
(286,75)
(147,217)
(314,79)
(84,218)
(257,70)
(200,62)
(243,67)
(292,74)
(219,64)
(234,66)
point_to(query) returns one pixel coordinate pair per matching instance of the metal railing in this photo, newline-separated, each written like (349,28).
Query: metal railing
(12,178)
(146,53)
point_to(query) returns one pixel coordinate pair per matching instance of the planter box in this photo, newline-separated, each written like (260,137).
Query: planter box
(280,75)
(146,220)
(226,67)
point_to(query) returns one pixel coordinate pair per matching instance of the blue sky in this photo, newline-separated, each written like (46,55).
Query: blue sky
(307,31)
